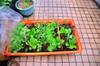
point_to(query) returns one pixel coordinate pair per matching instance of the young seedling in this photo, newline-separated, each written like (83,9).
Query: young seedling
(18,37)
(67,37)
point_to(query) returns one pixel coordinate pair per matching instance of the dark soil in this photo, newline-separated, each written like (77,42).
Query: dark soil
(67,26)
(68,49)
(30,26)
(25,49)
(44,48)
(56,30)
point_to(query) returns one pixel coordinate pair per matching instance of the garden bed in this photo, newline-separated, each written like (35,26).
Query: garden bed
(48,37)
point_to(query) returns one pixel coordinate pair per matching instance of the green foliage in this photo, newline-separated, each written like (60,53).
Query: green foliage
(54,42)
(18,37)
(66,31)
(5,2)
(72,43)
(40,36)
(37,37)
(26,3)
(69,40)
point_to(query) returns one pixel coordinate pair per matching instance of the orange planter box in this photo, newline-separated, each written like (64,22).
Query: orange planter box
(59,21)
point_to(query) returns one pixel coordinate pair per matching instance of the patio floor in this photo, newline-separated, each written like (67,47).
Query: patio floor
(87,19)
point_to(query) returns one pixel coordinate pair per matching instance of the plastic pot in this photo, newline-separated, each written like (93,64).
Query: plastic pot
(59,21)
(25,11)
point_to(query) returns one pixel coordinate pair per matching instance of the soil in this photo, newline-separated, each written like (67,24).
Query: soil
(68,49)
(44,47)
(24,50)
(67,26)
(30,26)
(56,30)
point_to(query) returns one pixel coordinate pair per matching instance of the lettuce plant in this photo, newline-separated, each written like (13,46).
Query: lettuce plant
(42,35)
(18,37)
(68,38)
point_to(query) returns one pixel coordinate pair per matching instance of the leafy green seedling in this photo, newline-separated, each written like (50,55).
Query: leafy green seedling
(18,37)
(72,43)
(69,40)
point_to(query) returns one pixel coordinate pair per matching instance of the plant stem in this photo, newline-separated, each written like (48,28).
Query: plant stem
(60,37)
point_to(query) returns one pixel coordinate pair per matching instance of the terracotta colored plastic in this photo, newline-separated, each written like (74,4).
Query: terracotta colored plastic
(59,21)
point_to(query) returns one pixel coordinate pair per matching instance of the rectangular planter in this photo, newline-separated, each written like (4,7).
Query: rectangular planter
(59,21)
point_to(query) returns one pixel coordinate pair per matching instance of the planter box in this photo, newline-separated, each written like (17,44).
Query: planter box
(60,21)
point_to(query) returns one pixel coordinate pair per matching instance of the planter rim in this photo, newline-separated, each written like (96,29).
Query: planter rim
(16,5)
(69,21)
